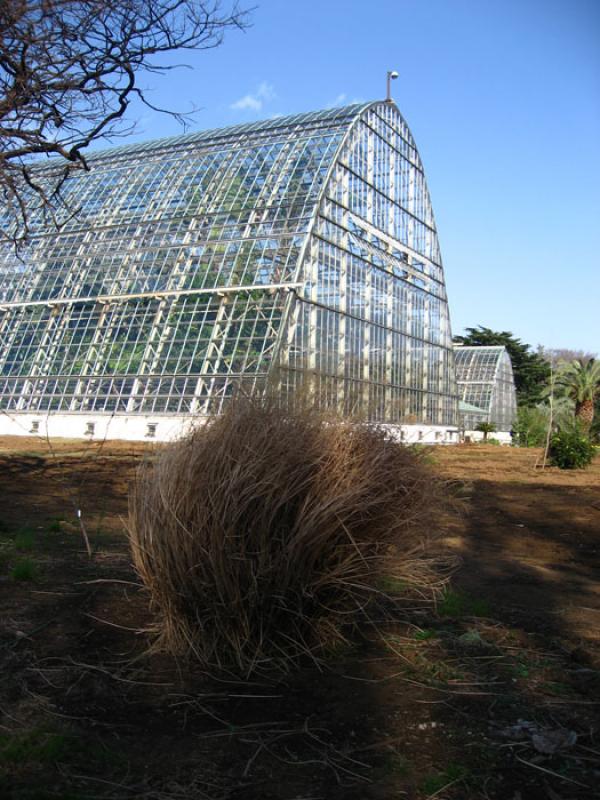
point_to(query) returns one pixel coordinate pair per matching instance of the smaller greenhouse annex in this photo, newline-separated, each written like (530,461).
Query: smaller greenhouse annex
(486,388)
(299,253)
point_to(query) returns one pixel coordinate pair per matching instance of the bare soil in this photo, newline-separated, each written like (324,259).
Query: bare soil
(494,693)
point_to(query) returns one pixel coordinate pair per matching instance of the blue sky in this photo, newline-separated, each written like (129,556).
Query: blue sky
(503,98)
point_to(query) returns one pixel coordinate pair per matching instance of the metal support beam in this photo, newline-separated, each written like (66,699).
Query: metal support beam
(113,298)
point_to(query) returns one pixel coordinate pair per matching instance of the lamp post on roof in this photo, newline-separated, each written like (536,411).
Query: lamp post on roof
(391,76)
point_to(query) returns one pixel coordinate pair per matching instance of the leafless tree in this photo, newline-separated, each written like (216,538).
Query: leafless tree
(68,71)
(564,355)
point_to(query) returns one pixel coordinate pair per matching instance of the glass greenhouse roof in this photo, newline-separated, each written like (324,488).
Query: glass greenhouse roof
(314,119)
(304,246)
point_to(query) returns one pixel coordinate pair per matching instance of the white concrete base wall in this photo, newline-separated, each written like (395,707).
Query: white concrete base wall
(423,434)
(96,427)
(135,428)
(503,437)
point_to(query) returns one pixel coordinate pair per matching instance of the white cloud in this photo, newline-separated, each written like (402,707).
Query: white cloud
(248,101)
(343,100)
(254,101)
(339,101)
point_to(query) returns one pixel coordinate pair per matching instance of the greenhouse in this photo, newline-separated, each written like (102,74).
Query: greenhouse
(299,253)
(486,388)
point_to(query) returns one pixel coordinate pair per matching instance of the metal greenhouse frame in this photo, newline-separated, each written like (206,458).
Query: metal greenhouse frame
(486,387)
(301,251)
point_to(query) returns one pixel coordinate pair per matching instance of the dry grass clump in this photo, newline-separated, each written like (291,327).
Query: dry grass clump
(264,534)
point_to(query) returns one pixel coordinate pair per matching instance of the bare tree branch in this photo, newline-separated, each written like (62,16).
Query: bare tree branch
(69,70)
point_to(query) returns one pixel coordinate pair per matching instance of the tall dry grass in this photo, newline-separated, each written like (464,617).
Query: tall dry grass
(262,536)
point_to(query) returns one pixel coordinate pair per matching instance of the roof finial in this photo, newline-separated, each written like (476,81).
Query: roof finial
(391,76)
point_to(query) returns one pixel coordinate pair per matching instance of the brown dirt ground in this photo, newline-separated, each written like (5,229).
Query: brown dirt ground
(454,702)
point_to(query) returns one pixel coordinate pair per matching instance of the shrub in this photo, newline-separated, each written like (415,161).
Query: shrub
(531,426)
(570,448)
(262,535)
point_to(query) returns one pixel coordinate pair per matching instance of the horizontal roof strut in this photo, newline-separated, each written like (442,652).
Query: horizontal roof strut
(110,298)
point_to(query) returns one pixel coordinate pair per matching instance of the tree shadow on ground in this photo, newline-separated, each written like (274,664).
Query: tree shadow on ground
(530,556)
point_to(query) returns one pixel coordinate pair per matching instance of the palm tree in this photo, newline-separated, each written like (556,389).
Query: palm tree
(486,428)
(580,381)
